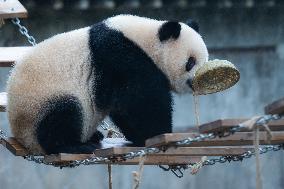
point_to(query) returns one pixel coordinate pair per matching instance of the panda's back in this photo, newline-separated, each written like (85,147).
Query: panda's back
(54,68)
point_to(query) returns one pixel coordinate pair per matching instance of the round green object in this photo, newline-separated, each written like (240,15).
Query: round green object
(214,76)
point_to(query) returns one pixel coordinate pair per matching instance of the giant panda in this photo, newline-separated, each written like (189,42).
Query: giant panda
(124,67)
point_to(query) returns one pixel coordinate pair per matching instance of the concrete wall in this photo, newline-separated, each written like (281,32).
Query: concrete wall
(252,38)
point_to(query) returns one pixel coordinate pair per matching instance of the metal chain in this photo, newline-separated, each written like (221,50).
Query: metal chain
(24,31)
(2,135)
(176,169)
(201,137)
(246,155)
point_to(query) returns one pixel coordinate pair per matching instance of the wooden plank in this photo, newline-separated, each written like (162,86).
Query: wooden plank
(238,139)
(222,125)
(64,159)
(276,107)
(14,146)
(12,9)
(8,55)
(181,151)
(163,160)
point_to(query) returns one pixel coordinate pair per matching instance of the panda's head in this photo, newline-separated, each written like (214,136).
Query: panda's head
(175,47)
(182,51)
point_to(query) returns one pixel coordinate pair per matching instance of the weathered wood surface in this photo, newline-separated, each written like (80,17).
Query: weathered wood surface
(8,55)
(181,151)
(238,139)
(222,125)
(14,146)
(12,9)
(182,155)
(276,107)
(60,159)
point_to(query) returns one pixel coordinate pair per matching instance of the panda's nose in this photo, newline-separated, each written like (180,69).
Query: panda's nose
(189,83)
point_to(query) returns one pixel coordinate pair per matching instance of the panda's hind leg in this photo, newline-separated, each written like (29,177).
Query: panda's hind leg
(60,127)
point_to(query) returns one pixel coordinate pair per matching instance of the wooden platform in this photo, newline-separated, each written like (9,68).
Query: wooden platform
(172,156)
(64,159)
(8,55)
(12,9)
(238,139)
(18,150)
(222,125)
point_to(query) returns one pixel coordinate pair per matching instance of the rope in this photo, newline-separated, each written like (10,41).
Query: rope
(251,124)
(109,176)
(137,175)
(196,109)
(197,166)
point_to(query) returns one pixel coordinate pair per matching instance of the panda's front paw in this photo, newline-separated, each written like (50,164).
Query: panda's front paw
(97,137)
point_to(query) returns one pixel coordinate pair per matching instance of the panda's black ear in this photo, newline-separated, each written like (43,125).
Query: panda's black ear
(170,29)
(193,24)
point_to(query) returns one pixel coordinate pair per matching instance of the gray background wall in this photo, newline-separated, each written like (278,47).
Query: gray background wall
(251,35)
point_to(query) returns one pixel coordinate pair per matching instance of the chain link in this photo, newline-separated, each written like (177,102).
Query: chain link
(2,135)
(24,31)
(176,169)
(246,155)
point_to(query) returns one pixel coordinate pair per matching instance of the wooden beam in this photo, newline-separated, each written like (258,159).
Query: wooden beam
(181,151)
(14,146)
(64,159)
(12,9)
(223,125)
(8,55)
(238,139)
(276,107)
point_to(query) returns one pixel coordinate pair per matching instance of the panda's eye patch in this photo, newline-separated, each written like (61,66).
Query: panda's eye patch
(190,64)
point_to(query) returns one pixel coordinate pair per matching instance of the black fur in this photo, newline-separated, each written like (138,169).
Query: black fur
(193,24)
(129,86)
(169,30)
(59,130)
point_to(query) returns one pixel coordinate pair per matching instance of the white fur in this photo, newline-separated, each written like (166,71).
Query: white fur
(59,65)
(170,56)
